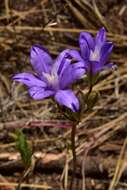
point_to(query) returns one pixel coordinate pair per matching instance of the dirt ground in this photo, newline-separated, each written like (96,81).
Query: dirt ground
(56,24)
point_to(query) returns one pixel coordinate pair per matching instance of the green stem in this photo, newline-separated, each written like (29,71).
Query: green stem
(90,83)
(90,90)
(73,132)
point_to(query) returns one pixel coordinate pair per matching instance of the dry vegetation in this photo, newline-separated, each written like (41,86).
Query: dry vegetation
(56,24)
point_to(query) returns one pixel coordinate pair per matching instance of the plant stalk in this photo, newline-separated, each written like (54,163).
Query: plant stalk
(73,133)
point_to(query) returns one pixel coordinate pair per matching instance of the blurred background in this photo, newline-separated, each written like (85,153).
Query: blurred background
(56,25)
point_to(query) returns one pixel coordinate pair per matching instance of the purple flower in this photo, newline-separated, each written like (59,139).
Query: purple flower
(94,51)
(52,78)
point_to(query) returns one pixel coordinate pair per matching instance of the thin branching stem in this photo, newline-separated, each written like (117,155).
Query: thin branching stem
(88,148)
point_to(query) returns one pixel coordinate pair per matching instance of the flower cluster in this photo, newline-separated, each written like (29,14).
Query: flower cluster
(54,77)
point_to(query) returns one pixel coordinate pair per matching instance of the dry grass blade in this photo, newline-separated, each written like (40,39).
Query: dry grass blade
(99,16)
(77,13)
(65,173)
(119,167)
(116,38)
(45,187)
(4,180)
(23,15)
(87,4)
(107,131)
(7,10)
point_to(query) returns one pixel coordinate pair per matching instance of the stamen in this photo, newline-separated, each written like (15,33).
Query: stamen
(52,79)
(95,55)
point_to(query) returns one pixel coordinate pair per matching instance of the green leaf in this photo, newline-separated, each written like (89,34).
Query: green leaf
(88,100)
(23,148)
(92,99)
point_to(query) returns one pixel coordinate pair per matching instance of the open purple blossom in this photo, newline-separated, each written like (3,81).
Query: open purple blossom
(53,78)
(94,51)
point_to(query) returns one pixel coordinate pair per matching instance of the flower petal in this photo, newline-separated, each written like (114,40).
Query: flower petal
(71,73)
(61,62)
(101,36)
(29,80)
(106,51)
(38,93)
(86,43)
(68,99)
(66,78)
(40,59)
(80,63)
(78,70)
(109,66)
(74,54)
(96,66)
(79,67)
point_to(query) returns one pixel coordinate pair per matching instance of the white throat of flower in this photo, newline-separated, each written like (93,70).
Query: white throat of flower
(95,55)
(52,78)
